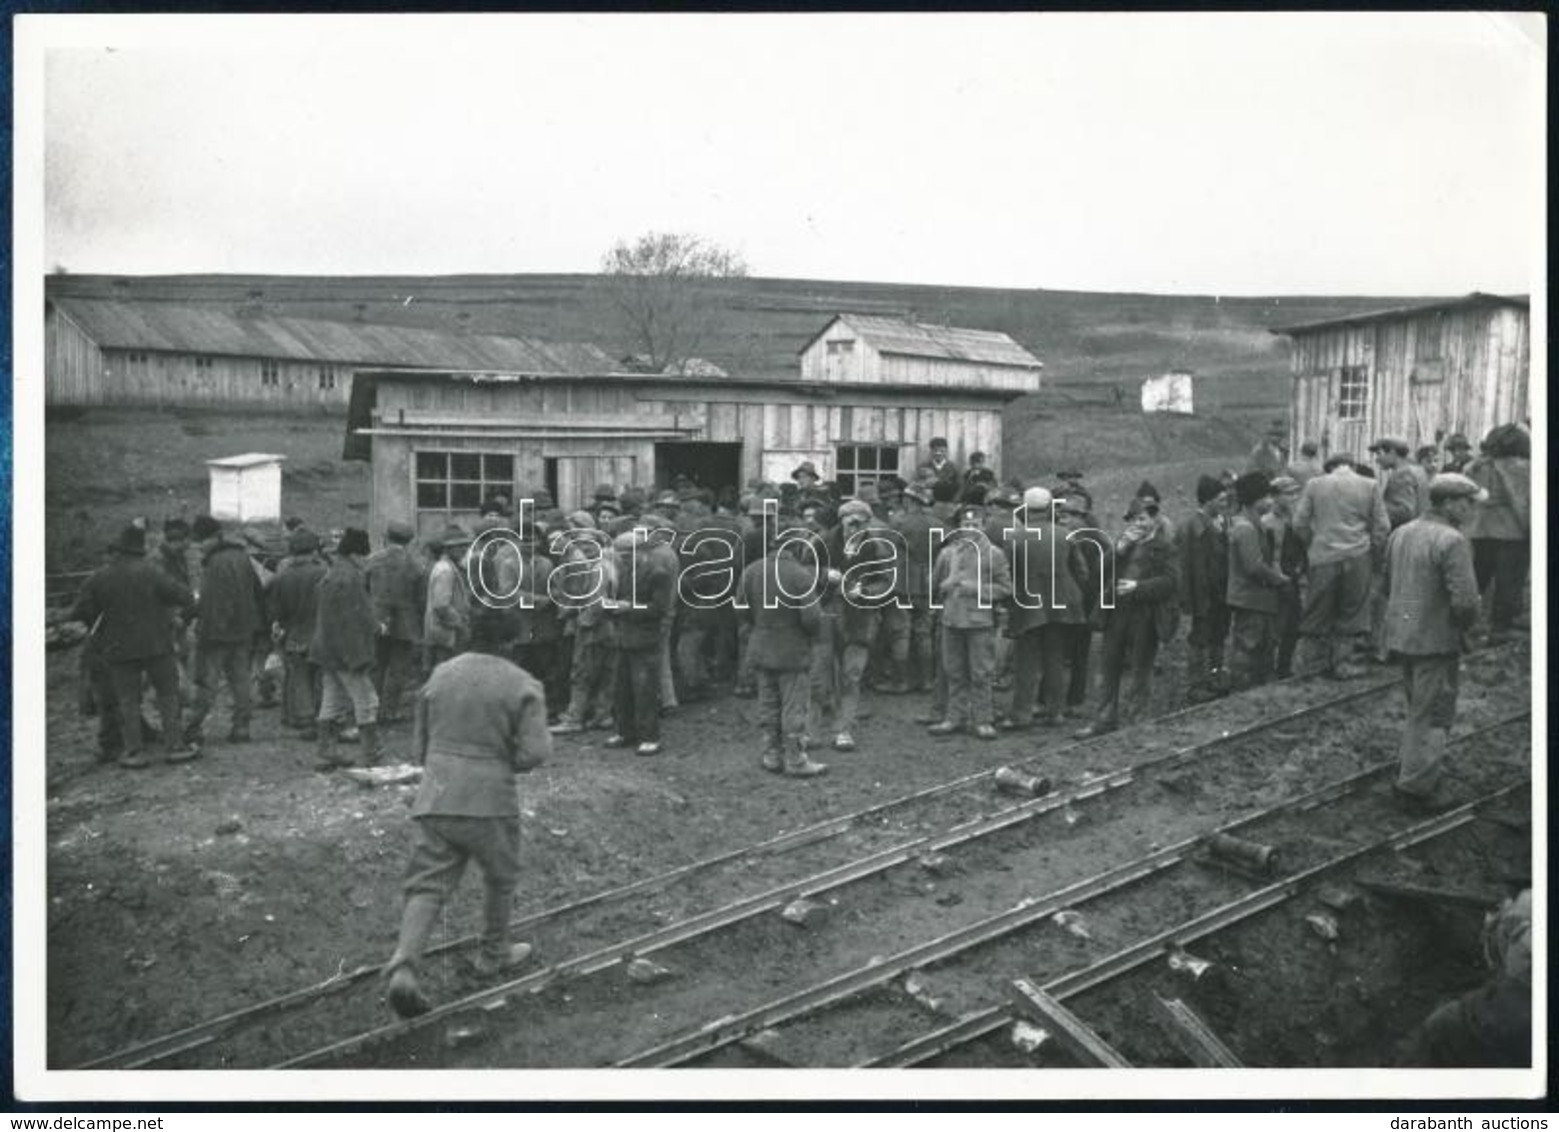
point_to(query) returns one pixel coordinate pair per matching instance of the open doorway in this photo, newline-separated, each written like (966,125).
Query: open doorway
(706,464)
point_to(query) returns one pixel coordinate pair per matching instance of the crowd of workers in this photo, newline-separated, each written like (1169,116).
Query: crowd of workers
(535,623)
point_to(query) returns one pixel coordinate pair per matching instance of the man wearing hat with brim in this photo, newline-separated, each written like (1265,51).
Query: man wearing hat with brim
(397,585)
(127,605)
(1432,602)
(292,604)
(230,620)
(1342,521)
(447,619)
(1501,528)
(1458,453)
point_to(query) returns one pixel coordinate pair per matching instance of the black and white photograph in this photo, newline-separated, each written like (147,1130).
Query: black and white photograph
(1005,543)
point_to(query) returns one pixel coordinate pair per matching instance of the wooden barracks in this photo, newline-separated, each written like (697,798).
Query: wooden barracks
(870,394)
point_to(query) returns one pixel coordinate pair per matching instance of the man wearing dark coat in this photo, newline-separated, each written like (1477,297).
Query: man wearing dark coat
(230,619)
(343,647)
(127,604)
(292,603)
(778,599)
(398,589)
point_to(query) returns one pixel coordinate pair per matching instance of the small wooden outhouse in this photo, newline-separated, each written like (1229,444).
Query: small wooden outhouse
(247,488)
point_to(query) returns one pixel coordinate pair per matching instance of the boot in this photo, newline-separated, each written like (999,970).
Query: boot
(497,954)
(326,757)
(373,753)
(798,765)
(771,759)
(405,993)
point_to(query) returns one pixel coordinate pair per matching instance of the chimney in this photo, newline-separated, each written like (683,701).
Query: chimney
(253,304)
(360,311)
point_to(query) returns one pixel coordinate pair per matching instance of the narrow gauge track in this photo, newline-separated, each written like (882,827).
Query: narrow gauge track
(949,804)
(813,1023)
(591,1014)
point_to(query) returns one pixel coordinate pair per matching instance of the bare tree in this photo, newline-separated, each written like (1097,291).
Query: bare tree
(661,287)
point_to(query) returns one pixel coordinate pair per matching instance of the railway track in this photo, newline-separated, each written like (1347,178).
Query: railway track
(809,862)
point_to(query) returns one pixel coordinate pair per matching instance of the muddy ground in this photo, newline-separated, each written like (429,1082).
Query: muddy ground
(178,893)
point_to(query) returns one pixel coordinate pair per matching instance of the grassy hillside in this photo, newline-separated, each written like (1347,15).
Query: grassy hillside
(1084,339)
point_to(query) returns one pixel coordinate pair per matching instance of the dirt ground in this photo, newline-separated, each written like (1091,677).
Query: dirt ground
(179,893)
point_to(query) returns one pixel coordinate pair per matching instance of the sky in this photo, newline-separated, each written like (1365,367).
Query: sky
(1396,154)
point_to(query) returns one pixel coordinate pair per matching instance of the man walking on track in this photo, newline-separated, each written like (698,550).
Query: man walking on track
(480,720)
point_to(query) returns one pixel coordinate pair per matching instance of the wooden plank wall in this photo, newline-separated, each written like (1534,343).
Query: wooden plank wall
(72,363)
(1480,378)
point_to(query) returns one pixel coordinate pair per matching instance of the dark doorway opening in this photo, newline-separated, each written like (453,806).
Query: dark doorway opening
(707,464)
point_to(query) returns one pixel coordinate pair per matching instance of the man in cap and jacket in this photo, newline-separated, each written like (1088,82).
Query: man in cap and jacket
(777,598)
(173,559)
(1255,583)
(396,585)
(446,621)
(230,620)
(1290,559)
(861,549)
(644,597)
(1048,577)
(1145,569)
(1307,466)
(910,647)
(947,483)
(1404,485)
(1267,456)
(1204,578)
(480,721)
(127,605)
(1501,527)
(292,604)
(970,579)
(1432,603)
(343,648)
(1341,519)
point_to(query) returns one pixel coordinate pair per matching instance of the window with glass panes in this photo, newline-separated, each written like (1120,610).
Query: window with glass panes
(864,463)
(460,481)
(1353,389)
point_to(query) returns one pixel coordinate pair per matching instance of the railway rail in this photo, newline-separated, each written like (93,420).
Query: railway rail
(958,828)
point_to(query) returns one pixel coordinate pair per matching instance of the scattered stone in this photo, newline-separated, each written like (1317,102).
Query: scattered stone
(934,862)
(384,775)
(1323,925)
(1028,1037)
(1336,897)
(457,1036)
(1070,815)
(918,987)
(496,1006)
(1073,922)
(228,827)
(1188,964)
(646,971)
(802,912)
(949,899)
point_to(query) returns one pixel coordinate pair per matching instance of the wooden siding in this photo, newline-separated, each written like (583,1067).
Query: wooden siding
(77,372)
(1430,375)
(72,363)
(782,429)
(866,365)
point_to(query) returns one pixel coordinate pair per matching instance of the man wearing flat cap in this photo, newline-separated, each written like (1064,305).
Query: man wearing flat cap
(343,647)
(947,483)
(1404,486)
(1342,521)
(1458,453)
(397,586)
(127,605)
(446,621)
(1432,602)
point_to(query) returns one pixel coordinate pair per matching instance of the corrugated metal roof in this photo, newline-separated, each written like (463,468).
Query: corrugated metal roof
(1475,299)
(129,325)
(928,340)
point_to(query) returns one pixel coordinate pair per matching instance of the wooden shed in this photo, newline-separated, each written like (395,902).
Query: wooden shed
(147,352)
(1170,392)
(441,442)
(247,488)
(1419,373)
(866,349)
